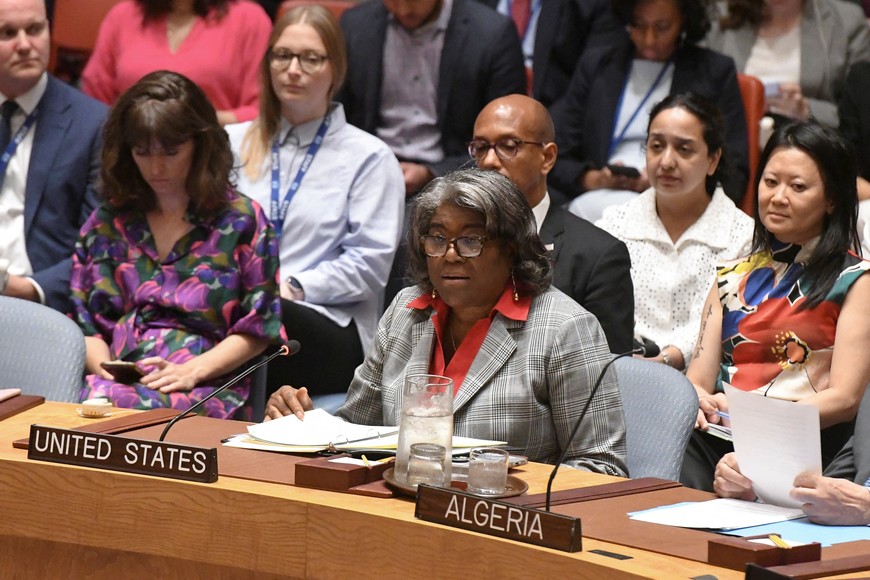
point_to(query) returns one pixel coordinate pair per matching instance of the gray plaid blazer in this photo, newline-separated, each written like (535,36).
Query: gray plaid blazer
(527,384)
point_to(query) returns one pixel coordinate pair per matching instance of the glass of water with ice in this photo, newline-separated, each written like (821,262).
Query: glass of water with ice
(487,470)
(427,417)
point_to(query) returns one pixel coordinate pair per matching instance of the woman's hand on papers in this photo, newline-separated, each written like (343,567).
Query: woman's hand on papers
(832,501)
(709,407)
(287,400)
(729,482)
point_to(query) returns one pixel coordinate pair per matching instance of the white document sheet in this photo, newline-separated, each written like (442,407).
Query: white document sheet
(719,514)
(775,440)
(318,429)
(8,394)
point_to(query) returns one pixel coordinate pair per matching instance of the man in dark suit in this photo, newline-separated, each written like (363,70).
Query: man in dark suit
(54,137)
(419,71)
(556,35)
(840,497)
(514,136)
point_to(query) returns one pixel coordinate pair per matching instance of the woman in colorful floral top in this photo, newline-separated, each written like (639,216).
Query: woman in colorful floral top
(175,271)
(771,320)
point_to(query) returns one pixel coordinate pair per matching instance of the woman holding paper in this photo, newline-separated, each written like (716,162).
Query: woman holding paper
(522,355)
(771,320)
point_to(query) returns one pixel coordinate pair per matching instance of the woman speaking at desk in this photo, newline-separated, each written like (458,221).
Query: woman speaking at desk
(523,356)
(175,271)
(789,321)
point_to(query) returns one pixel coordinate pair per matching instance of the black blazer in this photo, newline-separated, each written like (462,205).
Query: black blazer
(593,268)
(584,116)
(853,462)
(855,114)
(481,61)
(565,28)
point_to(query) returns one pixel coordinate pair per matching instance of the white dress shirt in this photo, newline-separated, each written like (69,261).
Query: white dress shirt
(343,226)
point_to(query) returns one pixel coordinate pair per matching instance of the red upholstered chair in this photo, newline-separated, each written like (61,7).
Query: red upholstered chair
(754,106)
(337,7)
(74,31)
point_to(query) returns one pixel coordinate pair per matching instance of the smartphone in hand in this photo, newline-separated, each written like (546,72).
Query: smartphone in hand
(124,372)
(624,170)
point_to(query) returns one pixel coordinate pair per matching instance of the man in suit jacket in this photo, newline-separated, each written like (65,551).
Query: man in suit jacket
(590,265)
(479,59)
(557,34)
(840,497)
(48,183)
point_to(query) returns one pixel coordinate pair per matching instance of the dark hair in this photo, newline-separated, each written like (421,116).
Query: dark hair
(154,9)
(167,108)
(740,12)
(696,20)
(506,213)
(712,124)
(835,160)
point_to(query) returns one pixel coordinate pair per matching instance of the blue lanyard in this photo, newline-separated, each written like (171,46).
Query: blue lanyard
(276,212)
(615,142)
(16,140)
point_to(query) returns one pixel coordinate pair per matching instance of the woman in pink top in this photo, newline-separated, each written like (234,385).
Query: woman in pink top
(215,43)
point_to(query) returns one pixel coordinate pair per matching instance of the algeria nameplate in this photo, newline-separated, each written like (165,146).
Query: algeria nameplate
(123,454)
(472,512)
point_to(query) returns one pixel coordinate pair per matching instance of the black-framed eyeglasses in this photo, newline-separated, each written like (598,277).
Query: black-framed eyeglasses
(465,246)
(309,61)
(505,148)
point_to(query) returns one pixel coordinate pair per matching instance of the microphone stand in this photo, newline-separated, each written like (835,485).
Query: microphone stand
(289,348)
(562,455)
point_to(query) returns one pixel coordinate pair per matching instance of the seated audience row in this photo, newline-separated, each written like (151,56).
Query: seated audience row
(602,118)
(801,50)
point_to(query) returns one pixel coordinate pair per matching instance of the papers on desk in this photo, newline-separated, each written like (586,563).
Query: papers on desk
(775,441)
(321,431)
(318,430)
(717,514)
(8,394)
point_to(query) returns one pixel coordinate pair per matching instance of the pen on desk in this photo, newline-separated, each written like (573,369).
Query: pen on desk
(778,541)
(366,461)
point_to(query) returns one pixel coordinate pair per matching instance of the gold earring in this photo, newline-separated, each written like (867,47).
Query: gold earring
(434,294)
(514,283)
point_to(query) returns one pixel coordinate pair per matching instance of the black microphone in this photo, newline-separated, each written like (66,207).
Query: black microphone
(289,348)
(648,348)
(583,414)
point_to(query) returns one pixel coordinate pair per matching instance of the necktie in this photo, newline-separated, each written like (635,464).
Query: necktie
(6,111)
(521,12)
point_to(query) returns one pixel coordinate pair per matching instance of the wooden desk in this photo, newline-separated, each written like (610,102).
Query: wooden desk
(64,521)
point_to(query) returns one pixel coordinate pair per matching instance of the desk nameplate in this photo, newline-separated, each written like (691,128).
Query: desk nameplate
(118,453)
(497,518)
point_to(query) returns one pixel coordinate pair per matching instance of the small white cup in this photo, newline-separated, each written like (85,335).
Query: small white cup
(487,470)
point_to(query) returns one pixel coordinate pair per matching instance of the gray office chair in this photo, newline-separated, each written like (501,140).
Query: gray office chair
(42,352)
(661,407)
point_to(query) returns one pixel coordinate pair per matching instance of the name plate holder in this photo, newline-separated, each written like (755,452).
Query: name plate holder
(117,453)
(467,511)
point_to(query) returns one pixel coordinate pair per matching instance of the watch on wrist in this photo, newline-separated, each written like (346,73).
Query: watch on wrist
(294,283)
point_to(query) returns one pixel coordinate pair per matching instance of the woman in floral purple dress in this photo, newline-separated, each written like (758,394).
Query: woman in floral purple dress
(175,271)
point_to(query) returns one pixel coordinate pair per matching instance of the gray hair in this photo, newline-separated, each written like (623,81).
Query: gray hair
(507,216)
